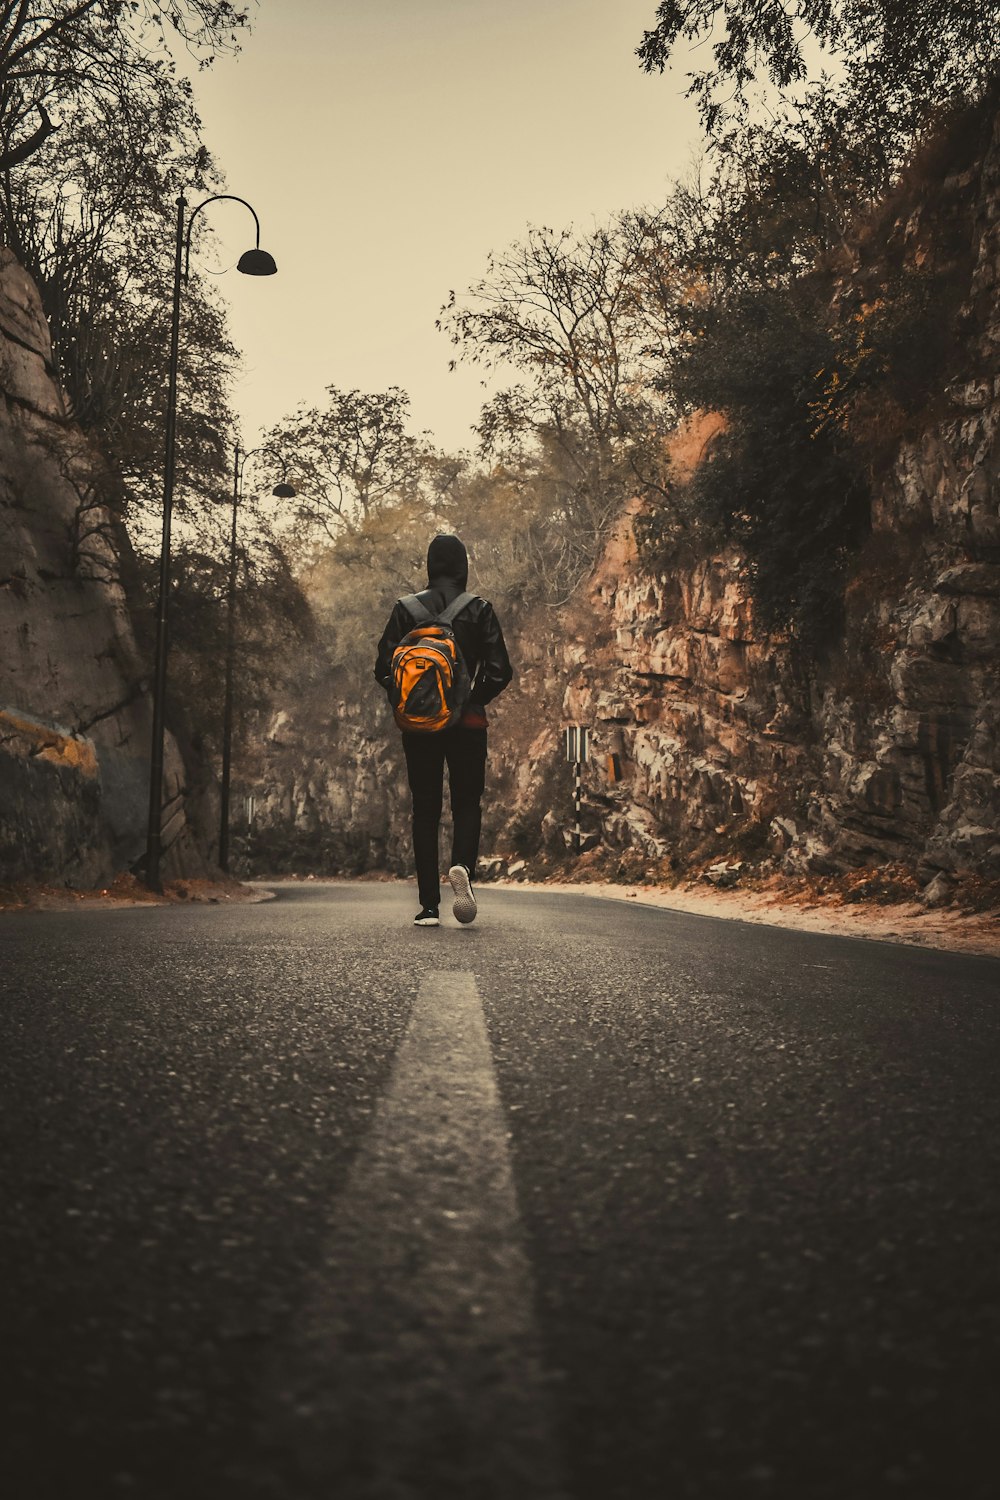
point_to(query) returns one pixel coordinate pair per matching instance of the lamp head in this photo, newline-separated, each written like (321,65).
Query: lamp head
(284,491)
(256,263)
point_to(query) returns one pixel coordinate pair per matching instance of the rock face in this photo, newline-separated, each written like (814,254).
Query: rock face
(75,716)
(707,738)
(722,743)
(713,744)
(891,750)
(322,787)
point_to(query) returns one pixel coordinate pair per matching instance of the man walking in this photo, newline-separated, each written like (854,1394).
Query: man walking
(462,745)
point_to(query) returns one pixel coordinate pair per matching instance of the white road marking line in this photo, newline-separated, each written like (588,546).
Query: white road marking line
(420,1355)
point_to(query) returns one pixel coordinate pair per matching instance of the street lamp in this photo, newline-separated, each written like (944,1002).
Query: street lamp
(283,491)
(255,262)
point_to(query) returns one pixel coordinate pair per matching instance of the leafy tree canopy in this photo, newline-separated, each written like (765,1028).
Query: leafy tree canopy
(353,458)
(909,54)
(53,55)
(89,211)
(583,318)
(89,215)
(568,310)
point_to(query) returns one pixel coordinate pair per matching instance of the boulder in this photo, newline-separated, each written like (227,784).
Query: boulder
(939,892)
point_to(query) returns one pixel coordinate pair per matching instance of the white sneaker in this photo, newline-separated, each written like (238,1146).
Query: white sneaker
(465,902)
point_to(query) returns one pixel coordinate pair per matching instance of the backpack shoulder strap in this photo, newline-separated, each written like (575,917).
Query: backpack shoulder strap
(455,608)
(417,609)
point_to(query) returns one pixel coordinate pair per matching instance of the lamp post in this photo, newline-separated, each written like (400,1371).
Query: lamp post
(255,262)
(283,491)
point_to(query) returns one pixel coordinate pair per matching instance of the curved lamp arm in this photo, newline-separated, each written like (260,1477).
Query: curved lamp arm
(215,198)
(242,458)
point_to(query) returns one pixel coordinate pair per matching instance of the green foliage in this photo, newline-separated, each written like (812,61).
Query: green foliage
(819,330)
(895,348)
(770,200)
(816,399)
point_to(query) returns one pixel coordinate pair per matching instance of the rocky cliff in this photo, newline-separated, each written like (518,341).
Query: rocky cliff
(886,751)
(74,704)
(712,741)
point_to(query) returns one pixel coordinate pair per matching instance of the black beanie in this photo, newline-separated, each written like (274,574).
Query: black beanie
(447,558)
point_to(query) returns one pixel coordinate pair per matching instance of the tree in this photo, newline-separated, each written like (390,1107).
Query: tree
(819,354)
(274,634)
(568,311)
(771,199)
(90,214)
(783,482)
(54,55)
(101,260)
(353,458)
(900,58)
(585,320)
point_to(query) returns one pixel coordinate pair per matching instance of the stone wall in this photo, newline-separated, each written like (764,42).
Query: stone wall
(74,702)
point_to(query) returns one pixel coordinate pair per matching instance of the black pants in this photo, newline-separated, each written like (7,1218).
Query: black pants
(464,751)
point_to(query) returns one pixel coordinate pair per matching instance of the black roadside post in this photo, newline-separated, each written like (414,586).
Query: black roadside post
(255,262)
(227,711)
(282,491)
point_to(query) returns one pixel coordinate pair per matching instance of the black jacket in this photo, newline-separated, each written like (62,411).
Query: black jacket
(477,631)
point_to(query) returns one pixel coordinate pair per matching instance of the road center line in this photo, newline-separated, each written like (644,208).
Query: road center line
(417,1370)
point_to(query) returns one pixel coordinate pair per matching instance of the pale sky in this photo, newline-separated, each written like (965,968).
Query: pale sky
(387,146)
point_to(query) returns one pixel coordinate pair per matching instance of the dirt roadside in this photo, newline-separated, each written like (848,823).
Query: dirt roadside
(127,891)
(947,929)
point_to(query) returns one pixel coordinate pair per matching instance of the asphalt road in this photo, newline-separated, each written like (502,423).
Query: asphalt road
(588,1201)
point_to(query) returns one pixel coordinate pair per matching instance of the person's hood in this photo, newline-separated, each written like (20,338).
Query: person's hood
(447,561)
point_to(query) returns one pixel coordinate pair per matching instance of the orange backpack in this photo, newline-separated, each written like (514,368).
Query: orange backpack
(430,683)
